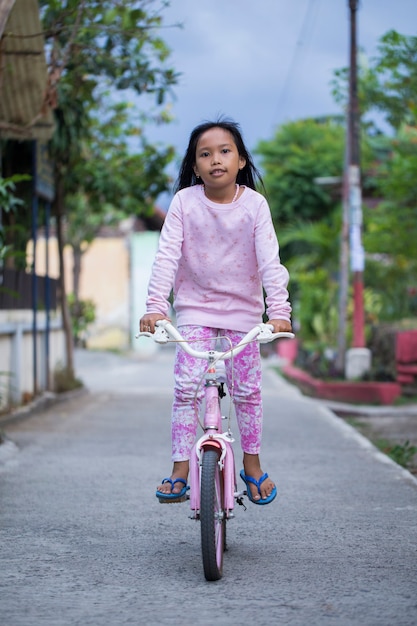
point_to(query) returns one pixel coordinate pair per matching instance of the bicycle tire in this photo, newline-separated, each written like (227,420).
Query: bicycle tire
(212,516)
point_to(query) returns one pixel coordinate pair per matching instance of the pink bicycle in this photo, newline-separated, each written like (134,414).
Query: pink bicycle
(213,491)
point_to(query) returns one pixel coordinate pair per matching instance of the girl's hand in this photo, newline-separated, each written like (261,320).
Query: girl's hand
(148,321)
(280,326)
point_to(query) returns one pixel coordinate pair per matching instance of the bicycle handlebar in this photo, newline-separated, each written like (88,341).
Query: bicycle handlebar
(165,332)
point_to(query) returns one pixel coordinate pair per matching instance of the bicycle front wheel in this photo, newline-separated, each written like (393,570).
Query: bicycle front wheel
(212,515)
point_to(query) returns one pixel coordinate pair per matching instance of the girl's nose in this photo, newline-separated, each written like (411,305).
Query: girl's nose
(215,159)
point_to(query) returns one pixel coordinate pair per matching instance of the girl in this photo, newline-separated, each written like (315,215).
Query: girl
(217,250)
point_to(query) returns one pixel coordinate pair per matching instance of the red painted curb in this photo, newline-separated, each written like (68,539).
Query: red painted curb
(344,391)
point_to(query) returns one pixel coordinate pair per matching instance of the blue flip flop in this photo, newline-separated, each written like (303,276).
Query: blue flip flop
(248,479)
(173,496)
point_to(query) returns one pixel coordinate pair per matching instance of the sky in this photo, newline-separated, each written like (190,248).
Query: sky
(265,62)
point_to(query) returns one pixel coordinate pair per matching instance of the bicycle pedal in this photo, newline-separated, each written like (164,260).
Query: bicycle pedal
(240,503)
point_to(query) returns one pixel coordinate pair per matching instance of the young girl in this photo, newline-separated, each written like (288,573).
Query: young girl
(217,250)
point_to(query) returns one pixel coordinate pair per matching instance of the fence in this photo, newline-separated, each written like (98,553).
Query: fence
(20,290)
(31,335)
(19,379)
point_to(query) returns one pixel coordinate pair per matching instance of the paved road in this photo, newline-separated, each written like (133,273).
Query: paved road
(84,541)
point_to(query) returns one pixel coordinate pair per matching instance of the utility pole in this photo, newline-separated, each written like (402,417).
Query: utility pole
(358,357)
(357,256)
(343,271)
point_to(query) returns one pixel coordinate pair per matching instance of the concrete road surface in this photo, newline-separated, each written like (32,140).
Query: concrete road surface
(85,542)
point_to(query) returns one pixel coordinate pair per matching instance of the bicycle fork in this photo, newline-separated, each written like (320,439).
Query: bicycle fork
(213,439)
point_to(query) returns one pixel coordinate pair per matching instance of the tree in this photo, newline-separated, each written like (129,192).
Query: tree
(9,205)
(97,48)
(392,83)
(299,153)
(314,275)
(388,85)
(391,230)
(112,182)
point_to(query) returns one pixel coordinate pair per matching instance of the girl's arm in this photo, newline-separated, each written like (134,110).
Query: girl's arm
(166,262)
(274,275)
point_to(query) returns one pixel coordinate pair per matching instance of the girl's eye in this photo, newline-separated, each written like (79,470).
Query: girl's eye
(204,154)
(224,150)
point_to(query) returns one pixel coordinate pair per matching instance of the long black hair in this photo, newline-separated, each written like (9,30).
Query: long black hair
(248,175)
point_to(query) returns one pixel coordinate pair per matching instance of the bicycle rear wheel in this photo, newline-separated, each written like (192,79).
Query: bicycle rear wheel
(212,515)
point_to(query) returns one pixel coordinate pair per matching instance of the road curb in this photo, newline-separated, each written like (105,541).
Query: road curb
(46,400)
(343,409)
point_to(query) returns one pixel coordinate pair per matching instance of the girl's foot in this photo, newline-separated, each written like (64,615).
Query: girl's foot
(180,470)
(252,467)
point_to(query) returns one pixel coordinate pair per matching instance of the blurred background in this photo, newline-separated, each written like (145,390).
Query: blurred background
(97,102)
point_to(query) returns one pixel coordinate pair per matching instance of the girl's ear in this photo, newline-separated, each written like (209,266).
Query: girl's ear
(242,162)
(196,171)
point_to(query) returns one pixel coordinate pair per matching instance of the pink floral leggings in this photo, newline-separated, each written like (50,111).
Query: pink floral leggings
(246,396)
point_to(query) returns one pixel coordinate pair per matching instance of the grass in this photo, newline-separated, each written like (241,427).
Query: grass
(402,453)
(405,400)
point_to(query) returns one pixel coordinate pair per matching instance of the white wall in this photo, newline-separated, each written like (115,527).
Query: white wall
(143,247)
(16,354)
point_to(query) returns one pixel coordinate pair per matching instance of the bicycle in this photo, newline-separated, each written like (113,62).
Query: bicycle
(212,475)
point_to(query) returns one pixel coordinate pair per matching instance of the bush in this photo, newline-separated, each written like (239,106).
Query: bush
(83,314)
(65,380)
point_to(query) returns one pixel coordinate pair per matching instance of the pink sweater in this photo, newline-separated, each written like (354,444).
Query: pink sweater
(217,257)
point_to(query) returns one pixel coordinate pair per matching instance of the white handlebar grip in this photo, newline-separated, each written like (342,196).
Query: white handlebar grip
(160,335)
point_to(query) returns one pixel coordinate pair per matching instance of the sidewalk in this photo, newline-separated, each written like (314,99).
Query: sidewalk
(389,425)
(393,423)
(85,541)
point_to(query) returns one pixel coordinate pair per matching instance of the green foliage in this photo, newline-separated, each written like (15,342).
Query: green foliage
(112,177)
(64,380)
(314,271)
(83,314)
(4,386)
(313,268)
(300,152)
(390,236)
(392,81)
(304,150)
(387,83)
(9,202)
(112,40)
(105,54)
(9,205)
(402,454)
(101,57)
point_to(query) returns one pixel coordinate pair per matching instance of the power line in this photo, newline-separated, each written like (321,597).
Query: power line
(307,27)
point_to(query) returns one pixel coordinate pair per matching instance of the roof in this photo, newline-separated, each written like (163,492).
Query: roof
(24,109)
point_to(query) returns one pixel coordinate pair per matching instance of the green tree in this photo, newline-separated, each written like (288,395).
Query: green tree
(298,154)
(388,85)
(392,84)
(112,182)
(390,237)
(96,50)
(9,206)
(314,278)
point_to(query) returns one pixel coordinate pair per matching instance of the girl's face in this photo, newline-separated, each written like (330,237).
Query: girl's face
(217,160)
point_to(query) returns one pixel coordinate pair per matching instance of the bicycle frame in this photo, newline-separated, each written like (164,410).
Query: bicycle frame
(212,474)
(213,438)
